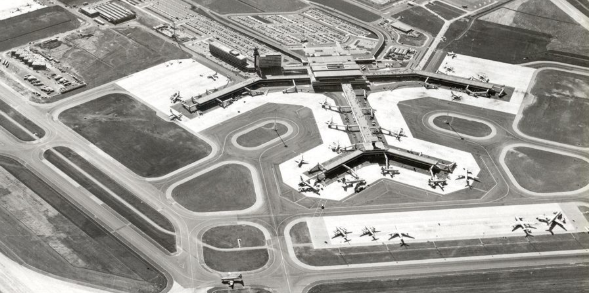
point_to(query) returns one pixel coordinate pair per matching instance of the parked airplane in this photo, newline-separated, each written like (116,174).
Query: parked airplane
(401,236)
(557,220)
(455,97)
(307,186)
(451,54)
(386,169)
(336,147)
(301,161)
(520,223)
(231,280)
(467,175)
(175,115)
(434,181)
(370,231)
(341,232)
(357,183)
(176,97)
(398,134)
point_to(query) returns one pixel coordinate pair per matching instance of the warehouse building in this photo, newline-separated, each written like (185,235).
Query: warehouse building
(114,13)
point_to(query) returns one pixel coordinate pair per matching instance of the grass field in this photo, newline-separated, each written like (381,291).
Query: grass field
(299,233)
(251,6)
(421,19)
(110,54)
(22,120)
(235,260)
(567,278)
(19,30)
(350,9)
(413,41)
(559,109)
(444,10)
(581,5)
(226,236)
(462,126)
(133,134)
(522,31)
(226,188)
(442,249)
(262,135)
(167,241)
(44,230)
(542,171)
(544,17)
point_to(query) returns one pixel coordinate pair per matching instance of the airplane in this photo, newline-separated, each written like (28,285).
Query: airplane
(434,181)
(401,236)
(335,147)
(451,54)
(386,169)
(301,161)
(176,97)
(175,115)
(307,186)
(398,134)
(324,104)
(520,223)
(455,97)
(329,123)
(230,280)
(341,232)
(557,220)
(469,178)
(449,68)
(370,231)
(357,183)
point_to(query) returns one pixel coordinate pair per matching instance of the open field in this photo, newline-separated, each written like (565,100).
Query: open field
(522,31)
(420,18)
(44,230)
(226,236)
(543,171)
(262,135)
(226,188)
(568,36)
(350,9)
(166,240)
(462,126)
(15,130)
(109,54)
(235,260)
(133,134)
(581,5)
(413,41)
(49,21)
(558,111)
(22,120)
(444,10)
(251,6)
(299,233)
(566,278)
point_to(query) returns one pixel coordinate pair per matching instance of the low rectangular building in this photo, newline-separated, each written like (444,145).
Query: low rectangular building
(228,55)
(114,13)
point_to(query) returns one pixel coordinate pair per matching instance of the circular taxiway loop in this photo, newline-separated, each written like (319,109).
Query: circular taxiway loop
(431,118)
(546,149)
(260,124)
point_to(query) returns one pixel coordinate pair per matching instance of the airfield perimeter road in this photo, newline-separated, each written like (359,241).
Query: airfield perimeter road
(186,267)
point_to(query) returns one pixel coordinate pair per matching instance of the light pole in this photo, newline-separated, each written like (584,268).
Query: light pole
(448,122)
